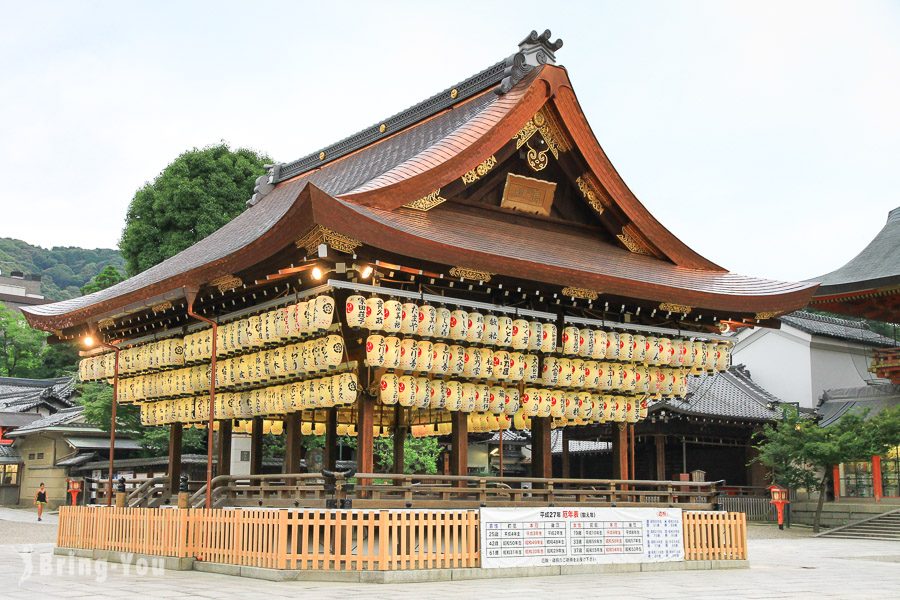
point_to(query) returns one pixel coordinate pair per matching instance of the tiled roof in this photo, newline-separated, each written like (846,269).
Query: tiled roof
(68,417)
(19,394)
(835,403)
(878,265)
(855,330)
(575,446)
(730,393)
(9,455)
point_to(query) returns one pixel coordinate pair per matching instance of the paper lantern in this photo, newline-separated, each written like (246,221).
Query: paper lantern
(641,378)
(709,363)
(626,377)
(496,399)
(680,387)
(459,325)
(393,316)
(500,369)
(427,321)
(341,429)
(585,406)
(570,340)
(457,359)
(535,335)
(666,351)
(390,389)
(472,363)
(532,368)
(391,352)
(578,378)
(409,318)
(591,374)
(438,394)
(468,397)
(454,395)
(422,396)
(644,409)
(529,401)
(482,397)
(491,330)
(722,357)
(424,355)
(566,371)
(516,366)
(504,331)
(512,402)
(678,349)
(520,421)
(440,364)
(409,354)
(334,350)
(345,387)
(307,356)
(355,311)
(572,402)
(687,353)
(520,334)
(374,320)
(548,338)
(474,327)
(407,390)
(323,313)
(585,342)
(639,348)
(667,386)
(555,399)
(626,347)
(612,345)
(306,428)
(504,422)
(543,404)
(551,371)
(698,355)
(442,323)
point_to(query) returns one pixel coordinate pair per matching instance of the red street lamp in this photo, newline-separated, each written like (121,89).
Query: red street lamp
(779,499)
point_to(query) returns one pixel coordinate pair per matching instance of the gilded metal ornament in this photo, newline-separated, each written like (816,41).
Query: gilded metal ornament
(471,274)
(632,244)
(322,155)
(480,171)
(426,203)
(589,194)
(323,235)
(454,93)
(382,128)
(762,316)
(675,308)
(582,293)
(226,282)
(544,123)
(106,323)
(161,307)
(537,159)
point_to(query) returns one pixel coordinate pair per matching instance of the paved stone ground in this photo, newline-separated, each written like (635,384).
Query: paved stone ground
(788,564)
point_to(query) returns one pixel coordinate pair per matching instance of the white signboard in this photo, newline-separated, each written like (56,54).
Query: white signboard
(524,537)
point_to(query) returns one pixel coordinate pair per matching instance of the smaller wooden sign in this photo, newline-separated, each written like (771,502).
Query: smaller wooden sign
(528,195)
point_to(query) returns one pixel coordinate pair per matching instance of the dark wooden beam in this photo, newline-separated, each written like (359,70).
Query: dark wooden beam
(400,433)
(223,452)
(459,443)
(565,454)
(365,443)
(292,442)
(329,456)
(660,443)
(174,467)
(620,452)
(256,446)
(541,459)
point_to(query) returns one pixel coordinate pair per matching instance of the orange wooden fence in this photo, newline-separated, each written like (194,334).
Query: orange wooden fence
(322,539)
(713,535)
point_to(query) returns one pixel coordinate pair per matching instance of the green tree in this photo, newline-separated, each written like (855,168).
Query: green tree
(800,453)
(21,347)
(108,277)
(97,401)
(419,454)
(199,192)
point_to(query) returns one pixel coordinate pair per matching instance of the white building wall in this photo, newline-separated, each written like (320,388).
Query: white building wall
(240,443)
(838,365)
(780,362)
(477,456)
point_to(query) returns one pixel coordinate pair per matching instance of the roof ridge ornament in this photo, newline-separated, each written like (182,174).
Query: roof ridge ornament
(535,50)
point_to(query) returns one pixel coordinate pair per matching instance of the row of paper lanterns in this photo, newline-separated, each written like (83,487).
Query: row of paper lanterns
(323,392)
(303,359)
(273,327)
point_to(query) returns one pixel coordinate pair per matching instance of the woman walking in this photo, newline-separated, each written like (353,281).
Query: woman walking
(40,499)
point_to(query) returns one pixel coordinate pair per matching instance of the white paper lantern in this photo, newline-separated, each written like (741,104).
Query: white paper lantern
(474,327)
(459,325)
(440,364)
(409,318)
(393,316)
(512,402)
(551,371)
(427,321)
(548,338)
(355,311)
(425,355)
(442,323)
(570,340)
(423,392)
(409,354)
(491,330)
(374,320)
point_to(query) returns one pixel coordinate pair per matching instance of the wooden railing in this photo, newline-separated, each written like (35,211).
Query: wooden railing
(380,490)
(715,535)
(148,491)
(320,539)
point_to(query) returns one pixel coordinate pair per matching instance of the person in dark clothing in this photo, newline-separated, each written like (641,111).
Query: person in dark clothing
(40,499)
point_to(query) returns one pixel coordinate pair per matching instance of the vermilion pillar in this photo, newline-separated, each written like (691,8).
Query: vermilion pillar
(877,488)
(836,477)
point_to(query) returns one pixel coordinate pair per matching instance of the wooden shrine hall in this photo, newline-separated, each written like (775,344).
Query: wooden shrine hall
(474,263)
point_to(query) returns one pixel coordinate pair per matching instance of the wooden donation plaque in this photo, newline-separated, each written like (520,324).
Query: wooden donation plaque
(528,195)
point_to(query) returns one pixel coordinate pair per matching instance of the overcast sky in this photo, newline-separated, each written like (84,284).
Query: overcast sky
(766,135)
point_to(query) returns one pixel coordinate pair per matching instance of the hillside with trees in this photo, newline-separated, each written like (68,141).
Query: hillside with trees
(64,270)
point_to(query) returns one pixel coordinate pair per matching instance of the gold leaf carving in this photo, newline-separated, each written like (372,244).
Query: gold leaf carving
(426,203)
(106,323)
(163,306)
(762,316)
(472,274)
(632,244)
(480,171)
(323,235)
(589,194)
(675,308)
(226,282)
(576,292)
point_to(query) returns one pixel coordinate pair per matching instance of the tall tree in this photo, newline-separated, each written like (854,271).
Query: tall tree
(21,347)
(199,192)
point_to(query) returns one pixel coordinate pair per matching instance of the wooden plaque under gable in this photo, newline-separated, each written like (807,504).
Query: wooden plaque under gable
(528,195)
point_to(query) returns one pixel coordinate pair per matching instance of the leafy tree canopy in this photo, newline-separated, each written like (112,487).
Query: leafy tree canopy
(199,192)
(108,277)
(21,347)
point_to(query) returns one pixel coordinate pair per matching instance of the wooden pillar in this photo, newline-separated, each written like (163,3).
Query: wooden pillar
(174,467)
(256,446)
(877,485)
(223,452)
(541,459)
(565,453)
(660,457)
(632,445)
(620,452)
(365,444)
(836,481)
(400,433)
(292,442)
(459,444)
(329,454)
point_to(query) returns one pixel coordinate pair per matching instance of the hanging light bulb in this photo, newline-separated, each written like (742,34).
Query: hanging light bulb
(317,273)
(88,341)
(366,272)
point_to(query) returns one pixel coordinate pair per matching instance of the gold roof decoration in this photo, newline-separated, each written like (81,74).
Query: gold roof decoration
(480,171)
(322,235)
(426,203)
(226,282)
(581,293)
(675,308)
(471,274)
